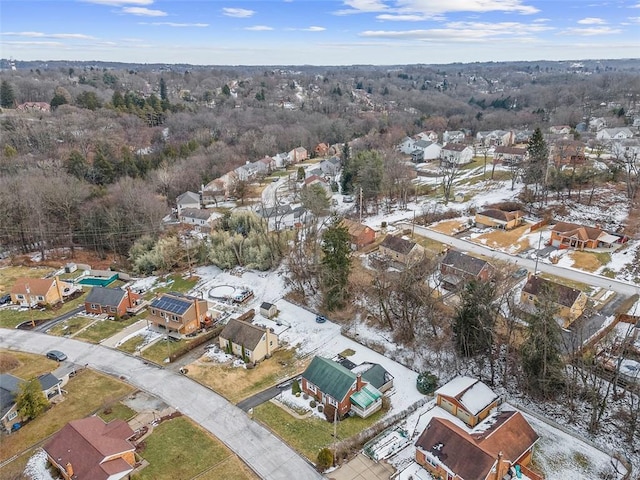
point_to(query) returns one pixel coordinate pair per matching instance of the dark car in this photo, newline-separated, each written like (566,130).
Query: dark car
(56,355)
(5,299)
(320,319)
(521,272)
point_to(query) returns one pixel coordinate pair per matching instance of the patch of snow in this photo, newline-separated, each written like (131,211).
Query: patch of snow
(36,468)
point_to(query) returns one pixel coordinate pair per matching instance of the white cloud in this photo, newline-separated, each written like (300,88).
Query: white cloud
(634,19)
(587,32)
(177,25)
(259,28)
(35,43)
(407,10)
(73,36)
(119,3)
(402,18)
(592,21)
(144,12)
(308,29)
(237,12)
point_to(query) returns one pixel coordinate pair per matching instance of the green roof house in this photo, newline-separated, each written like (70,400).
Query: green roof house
(332,384)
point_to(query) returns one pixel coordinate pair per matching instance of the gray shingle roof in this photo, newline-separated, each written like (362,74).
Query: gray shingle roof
(108,297)
(243,333)
(466,263)
(398,244)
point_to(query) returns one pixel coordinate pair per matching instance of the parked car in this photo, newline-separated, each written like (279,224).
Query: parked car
(320,319)
(521,272)
(5,299)
(56,355)
(211,346)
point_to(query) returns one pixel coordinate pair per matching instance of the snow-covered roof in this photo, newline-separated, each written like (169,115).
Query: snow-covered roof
(472,394)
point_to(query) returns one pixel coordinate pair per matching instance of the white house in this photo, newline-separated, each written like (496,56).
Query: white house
(453,136)
(560,129)
(429,136)
(188,200)
(495,137)
(619,133)
(200,218)
(425,151)
(407,145)
(456,154)
(281,159)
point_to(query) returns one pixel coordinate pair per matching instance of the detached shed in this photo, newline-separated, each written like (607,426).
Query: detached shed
(268,310)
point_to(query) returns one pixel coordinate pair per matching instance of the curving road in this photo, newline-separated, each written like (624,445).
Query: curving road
(267,455)
(618,286)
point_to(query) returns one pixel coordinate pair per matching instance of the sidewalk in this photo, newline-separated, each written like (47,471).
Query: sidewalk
(113,341)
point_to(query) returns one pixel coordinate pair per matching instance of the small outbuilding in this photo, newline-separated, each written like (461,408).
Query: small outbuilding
(268,310)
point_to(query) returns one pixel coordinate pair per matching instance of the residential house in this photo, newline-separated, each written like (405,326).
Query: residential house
(570,302)
(429,151)
(509,155)
(282,159)
(245,339)
(560,129)
(453,136)
(494,217)
(269,163)
(268,310)
(202,218)
(448,451)
(571,235)
(456,154)
(597,124)
(9,390)
(429,136)
(330,167)
(321,150)
(407,145)
(335,386)
(29,292)
(400,250)
(522,136)
(375,375)
(188,200)
(91,449)
(468,399)
(495,138)
(214,191)
(318,180)
(112,301)
(298,155)
(568,152)
(457,268)
(359,235)
(177,313)
(618,133)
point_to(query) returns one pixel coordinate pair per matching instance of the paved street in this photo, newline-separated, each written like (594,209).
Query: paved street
(621,287)
(268,456)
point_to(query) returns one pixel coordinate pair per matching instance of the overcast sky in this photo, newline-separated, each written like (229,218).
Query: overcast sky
(325,32)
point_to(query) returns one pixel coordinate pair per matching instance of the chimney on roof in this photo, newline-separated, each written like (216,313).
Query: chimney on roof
(58,287)
(359,382)
(69,469)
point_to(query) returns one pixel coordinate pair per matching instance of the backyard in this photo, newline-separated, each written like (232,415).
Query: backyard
(179,449)
(9,275)
(10,318)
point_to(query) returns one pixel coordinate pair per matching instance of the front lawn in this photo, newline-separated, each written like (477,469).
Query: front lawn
(159,351)
(131,345)
(307,436)
(70,327)
(589,261)
(180,449)
(237,383)
(87,392)
(104,329)
(10,318)
(9,275)
(25,365)
(117,410)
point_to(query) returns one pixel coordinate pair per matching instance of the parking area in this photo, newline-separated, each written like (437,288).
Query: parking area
(362,468)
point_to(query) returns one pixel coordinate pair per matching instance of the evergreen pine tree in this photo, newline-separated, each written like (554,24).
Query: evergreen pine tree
(7,97)
(30,401)
(336,264)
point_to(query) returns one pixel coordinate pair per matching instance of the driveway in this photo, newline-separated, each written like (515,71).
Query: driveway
(262,451)
(43,327)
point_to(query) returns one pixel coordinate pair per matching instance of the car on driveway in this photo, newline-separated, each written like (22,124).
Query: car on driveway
(320,319)
(56,355)
(5,299)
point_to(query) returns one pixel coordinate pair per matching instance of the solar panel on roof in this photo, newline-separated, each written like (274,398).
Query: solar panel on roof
(170,304)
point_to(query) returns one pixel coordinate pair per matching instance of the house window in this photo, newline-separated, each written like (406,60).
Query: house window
(95,306)
(153,311)
(112,309)
(40,298)
(311,387)
(331,401)
(12,415)
(431,460)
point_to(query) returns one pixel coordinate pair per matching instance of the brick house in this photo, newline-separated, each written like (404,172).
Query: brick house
(448,451)
(338,387)
(493,217)
(177,313)
(571,235)
(359,235)
(90,449)
(570,302)
(457,268)
(112,301)
(256,342)
(30,292)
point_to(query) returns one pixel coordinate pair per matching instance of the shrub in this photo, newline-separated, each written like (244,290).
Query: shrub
(325,459)
(312,404)
(295,388)
(305,396)
(426,383)
(320,408)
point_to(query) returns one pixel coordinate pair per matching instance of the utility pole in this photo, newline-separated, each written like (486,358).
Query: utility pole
(33,323)
(360,204)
